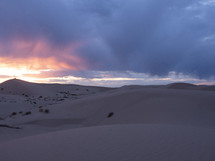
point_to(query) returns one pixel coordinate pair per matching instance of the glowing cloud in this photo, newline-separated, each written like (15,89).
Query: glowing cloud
(56,39)
(34,57)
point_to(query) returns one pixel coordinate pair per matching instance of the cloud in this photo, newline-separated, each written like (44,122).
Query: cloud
(208,3)
(39,55)
(153,37)
(117,79)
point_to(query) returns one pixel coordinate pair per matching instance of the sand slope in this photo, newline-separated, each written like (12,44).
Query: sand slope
(153,123)
(146,105)
(119,142)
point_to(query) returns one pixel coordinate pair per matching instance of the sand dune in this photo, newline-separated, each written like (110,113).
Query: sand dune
(119,142)
(164,123)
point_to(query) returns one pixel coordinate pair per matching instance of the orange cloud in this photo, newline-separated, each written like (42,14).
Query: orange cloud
(33,58)
(36,63)
(39,54)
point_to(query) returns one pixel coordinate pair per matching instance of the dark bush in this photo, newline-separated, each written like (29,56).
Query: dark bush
(110,114)
(28,113)
(41,110)
(13,113)
(46,111)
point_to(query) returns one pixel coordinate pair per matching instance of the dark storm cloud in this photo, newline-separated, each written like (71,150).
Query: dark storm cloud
(148,36)
(31,19)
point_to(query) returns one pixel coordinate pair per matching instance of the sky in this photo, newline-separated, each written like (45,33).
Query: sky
(108,42)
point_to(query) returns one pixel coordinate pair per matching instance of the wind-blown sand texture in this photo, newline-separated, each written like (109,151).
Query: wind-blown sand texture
(174,122)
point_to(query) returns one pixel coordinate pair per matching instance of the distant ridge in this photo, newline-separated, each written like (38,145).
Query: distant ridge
(21,87)
(190,86)
(182,86)
(16,86)
(14,81)
(207,88)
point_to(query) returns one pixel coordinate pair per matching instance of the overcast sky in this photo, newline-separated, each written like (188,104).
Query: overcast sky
(109,38)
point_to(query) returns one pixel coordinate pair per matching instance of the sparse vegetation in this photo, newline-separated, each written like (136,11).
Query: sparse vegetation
(13,113)
(41,110)
(7,126)
(110,114)
(46,111)
(73,94)
(28,113)
(25,95)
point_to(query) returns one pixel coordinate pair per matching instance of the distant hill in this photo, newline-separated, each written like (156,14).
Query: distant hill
(182,86)
(190,86)
(20,87)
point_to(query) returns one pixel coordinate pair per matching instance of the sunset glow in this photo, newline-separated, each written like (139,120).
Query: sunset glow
(33,58)
(36,63)
(86,39)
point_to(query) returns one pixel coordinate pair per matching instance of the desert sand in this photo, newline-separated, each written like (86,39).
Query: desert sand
(56,122)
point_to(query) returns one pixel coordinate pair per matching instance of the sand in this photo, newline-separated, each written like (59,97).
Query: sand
(71,122)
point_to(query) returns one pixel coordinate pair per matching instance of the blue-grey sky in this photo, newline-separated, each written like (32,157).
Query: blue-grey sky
(88,37)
